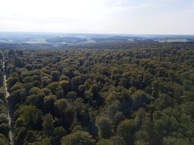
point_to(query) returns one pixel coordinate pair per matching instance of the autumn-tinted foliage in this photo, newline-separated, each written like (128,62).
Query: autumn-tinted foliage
(142,95)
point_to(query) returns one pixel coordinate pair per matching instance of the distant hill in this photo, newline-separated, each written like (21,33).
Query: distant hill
(57,39)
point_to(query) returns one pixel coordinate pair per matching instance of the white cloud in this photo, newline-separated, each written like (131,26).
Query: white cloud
(101,16)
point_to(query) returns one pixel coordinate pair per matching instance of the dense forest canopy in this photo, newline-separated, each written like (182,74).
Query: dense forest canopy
(134,94)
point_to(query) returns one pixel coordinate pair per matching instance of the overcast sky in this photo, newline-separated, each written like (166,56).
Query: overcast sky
(98,16)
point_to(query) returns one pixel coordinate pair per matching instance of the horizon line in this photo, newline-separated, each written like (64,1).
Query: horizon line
(96,33)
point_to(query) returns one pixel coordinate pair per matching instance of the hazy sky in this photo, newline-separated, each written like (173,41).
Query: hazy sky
(98,16)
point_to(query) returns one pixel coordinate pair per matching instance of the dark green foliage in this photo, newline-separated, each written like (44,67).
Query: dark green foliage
(48,124)
(115,140)
(3,140)
(30,116)
(4,129)
(1,78)
(49,104)
(11,81)
(78,138)
(37,138)
(59,132)
(104,127)
(104,142)
(4,122)
(55,76)
(138,96)
(126,129)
